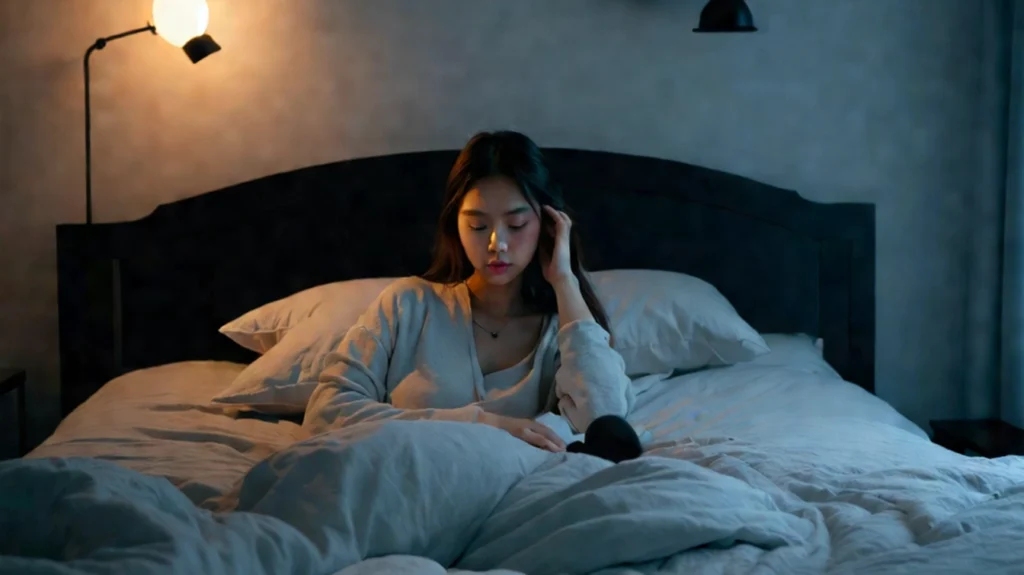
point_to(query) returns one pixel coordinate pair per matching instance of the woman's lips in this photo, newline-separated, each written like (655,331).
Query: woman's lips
(498,267)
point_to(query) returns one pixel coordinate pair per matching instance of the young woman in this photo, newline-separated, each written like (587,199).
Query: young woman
(502,328)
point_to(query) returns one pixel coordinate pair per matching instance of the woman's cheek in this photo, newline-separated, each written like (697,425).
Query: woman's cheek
(470,246)
(526,247)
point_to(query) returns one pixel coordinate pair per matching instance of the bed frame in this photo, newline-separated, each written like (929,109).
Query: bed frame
(153,291)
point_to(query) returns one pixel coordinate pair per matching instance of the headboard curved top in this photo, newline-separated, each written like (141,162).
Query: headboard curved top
(155,290)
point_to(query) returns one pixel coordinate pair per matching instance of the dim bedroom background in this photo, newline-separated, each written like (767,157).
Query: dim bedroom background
(807,248)
(765,447)
(999,261)
(908,120)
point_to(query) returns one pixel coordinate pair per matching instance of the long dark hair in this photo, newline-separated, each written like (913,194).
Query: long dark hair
(514,156)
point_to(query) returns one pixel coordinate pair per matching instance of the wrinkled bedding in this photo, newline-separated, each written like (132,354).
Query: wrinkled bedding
(425,496)
(766,467)
(160,421)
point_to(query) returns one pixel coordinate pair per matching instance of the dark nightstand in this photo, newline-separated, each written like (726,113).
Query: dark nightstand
(986,437)
(14,380)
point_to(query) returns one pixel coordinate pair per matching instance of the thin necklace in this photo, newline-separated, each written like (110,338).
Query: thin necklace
(493,334)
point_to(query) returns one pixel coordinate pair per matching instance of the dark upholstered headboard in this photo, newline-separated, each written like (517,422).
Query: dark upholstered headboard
(153,291)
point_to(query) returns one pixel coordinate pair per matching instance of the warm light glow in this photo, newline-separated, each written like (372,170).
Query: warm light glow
(178,21)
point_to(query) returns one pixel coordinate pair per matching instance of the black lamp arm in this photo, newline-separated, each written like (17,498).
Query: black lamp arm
(100,44)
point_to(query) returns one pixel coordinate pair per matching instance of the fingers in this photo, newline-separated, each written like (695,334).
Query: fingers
(539,441)
(550,435)
(561,218)
(532,432)
(542,436)
(561,221)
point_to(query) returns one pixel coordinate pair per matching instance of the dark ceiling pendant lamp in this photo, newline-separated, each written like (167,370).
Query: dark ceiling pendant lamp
(720,16)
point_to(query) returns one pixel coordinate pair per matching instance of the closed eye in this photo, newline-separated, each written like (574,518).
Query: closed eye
(513,227)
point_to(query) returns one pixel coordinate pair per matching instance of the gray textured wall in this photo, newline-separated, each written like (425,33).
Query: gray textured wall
(845,100)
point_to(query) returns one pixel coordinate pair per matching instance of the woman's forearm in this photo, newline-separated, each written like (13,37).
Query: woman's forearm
(590,380)
(571,305)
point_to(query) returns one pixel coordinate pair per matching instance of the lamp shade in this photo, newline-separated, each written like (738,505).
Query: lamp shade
(179,21)
(726,16)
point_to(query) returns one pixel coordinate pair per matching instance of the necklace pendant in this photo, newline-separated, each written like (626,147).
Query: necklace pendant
(494,334)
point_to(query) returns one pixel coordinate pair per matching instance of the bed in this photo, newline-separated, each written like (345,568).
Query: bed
(787,463)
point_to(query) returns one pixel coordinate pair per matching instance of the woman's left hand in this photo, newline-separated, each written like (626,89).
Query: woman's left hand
(556,266)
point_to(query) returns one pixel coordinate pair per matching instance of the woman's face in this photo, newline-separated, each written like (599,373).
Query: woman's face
(499,229)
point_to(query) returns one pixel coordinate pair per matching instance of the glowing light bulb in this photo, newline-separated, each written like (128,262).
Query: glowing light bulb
(179,21)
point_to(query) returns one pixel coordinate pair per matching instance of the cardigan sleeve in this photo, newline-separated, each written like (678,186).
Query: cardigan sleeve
(590,376)
(352,387)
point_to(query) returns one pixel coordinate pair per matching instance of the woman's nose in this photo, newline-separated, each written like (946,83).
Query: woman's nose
(499,242)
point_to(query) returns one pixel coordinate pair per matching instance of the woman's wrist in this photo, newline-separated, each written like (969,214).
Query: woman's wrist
(566,284)
(571,305)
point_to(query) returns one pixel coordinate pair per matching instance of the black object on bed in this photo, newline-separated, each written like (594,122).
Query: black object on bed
(154,291)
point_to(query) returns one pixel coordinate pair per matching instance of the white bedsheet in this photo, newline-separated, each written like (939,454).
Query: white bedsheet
(757,468)
(160,421)
(756,401)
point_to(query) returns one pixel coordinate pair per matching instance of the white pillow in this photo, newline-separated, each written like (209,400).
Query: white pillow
(664,321)
(795,351)
(263,327)
(661,321)
(282,379)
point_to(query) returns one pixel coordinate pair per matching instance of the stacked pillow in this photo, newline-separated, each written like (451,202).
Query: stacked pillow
(795,351)
(262,328)
(662,322)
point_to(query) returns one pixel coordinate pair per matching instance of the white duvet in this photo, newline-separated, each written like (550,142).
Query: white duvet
(761,468)
(423,496)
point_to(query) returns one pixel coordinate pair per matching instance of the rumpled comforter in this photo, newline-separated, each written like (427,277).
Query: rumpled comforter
(425,497)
